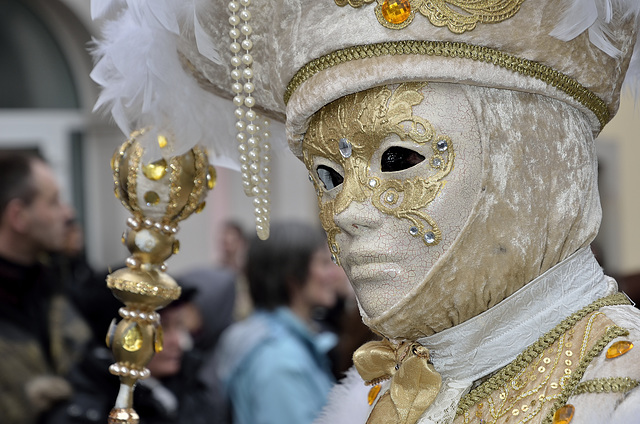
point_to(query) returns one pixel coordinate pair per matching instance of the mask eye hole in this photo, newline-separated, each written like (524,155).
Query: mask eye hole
(398,158)
(329,177)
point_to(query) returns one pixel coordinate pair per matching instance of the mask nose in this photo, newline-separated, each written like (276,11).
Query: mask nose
(359,217)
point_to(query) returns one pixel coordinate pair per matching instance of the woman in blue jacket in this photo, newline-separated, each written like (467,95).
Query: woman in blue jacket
(274,365)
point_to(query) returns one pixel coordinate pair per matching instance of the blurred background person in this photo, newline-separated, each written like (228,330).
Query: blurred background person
(173,394)
(274,365)
(211,309)
(233,256)
(207,316)
(41,335)
(233,247)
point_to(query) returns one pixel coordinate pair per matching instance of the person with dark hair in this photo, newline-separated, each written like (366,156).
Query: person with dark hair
(41,335)
(233,247)
(233,255)
(173,394)
(273,365)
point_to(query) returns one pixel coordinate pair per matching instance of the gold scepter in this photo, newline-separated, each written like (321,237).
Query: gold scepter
(158,194)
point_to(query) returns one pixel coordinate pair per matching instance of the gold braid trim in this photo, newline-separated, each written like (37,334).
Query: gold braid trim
(606,385)
(121,192)
(199,183)
(576,376)
(143,288)
(524,359)
(525,67)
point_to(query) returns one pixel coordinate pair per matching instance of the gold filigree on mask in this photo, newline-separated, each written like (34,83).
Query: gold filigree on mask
(457,15)
(365,120)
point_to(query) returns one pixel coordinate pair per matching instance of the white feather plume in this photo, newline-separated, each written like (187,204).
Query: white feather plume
(347,401)
(204,42)
(144,83)
(101,9)
(594,16)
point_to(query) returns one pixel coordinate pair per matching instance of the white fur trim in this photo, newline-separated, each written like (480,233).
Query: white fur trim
(347,403)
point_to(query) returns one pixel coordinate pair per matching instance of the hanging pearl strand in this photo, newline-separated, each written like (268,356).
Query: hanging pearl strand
(253,134)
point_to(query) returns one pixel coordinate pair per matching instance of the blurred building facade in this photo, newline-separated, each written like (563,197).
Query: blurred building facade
(46,101)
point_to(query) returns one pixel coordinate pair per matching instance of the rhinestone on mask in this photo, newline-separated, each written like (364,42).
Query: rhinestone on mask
(430,238)
(414,231)
(345,148)
(436,162)
(442,145)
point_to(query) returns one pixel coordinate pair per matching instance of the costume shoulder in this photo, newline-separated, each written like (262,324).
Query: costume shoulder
(610,388)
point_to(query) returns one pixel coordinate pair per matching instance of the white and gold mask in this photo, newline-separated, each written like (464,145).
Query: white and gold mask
(396,169)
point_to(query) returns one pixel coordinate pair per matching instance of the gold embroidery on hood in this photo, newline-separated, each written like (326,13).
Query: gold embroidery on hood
(364,120)
(457,15)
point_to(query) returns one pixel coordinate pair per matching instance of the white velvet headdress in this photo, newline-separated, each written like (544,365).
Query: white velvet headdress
(166,62)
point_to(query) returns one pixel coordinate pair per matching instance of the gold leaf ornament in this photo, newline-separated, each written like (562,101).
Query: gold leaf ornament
(458,16)
(366,119)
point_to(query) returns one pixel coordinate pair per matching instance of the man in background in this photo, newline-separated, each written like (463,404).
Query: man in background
(40,333)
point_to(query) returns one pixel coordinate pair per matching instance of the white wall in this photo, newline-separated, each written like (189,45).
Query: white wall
(619,151)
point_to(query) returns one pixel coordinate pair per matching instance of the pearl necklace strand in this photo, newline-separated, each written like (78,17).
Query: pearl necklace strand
(253,134)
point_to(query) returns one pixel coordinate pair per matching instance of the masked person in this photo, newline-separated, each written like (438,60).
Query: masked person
(451,144)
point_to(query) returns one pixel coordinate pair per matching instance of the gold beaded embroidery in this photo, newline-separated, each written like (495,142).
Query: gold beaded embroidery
(525,67)
(132,181)
(366,119)
(457,15)
(143,288)
(199,184)
(539,381)
(606,385)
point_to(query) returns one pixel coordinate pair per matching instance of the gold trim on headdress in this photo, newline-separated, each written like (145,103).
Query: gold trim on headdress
(525,67)
(459,16)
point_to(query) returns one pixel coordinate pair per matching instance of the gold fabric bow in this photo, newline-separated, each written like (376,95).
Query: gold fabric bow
(414,381)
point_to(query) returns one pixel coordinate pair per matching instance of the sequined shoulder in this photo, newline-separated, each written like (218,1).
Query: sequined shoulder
(536,387)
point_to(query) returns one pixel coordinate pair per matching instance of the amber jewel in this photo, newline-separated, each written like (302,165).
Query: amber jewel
(155,170)
(619,349)
(158,342)
(373,393)
(564,415)
(132,340)
(162,141)
(151,198)
(396,11)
